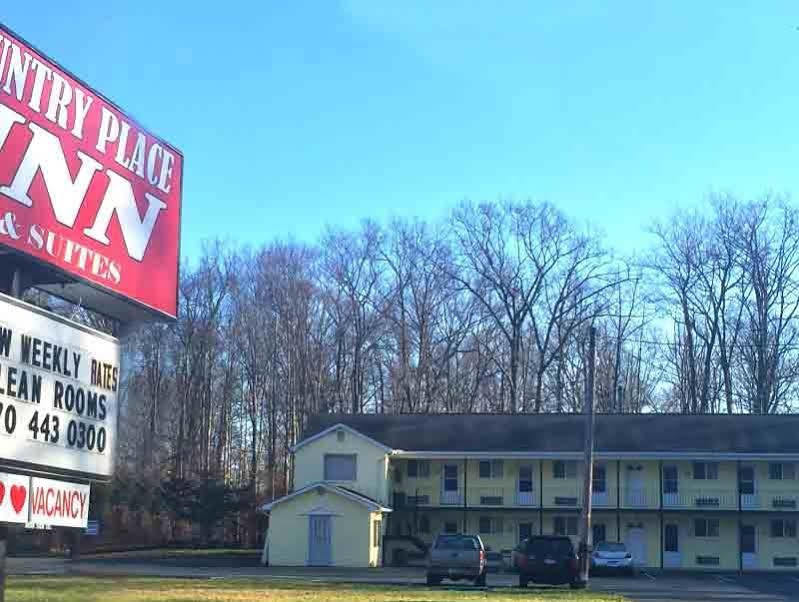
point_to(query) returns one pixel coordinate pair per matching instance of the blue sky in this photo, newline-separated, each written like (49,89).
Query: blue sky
(294,115)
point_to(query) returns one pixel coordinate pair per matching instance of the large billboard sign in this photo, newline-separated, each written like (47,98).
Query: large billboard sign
(58,393)
(85,190)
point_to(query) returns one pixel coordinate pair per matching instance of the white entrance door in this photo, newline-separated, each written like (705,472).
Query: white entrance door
(449,485)
(672,558)
(636,545)
(748,547)
(636,494)
(319,541)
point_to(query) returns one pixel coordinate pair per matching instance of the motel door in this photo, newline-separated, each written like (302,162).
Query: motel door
(672,558)
(748,547)
(319,541)
(636,545)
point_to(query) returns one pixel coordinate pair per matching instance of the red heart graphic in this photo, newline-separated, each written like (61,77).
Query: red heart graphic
(18,494)
(2,492)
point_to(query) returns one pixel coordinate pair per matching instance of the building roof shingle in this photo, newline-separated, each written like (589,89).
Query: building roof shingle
(551,433)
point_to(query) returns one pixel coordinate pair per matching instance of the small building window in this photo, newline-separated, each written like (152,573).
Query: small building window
(781,471)
(424,524)
(376,526)
(599,483)
(419,469)
(565,525)
(341,435)
(491,469)
(706,527)
(341,467)
(783,527)
(564,469)
(706,471)
(488,525)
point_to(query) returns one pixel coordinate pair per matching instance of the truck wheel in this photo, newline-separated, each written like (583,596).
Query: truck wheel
(577,585)
(433,580)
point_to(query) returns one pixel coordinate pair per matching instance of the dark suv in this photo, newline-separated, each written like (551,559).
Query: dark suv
(547,559)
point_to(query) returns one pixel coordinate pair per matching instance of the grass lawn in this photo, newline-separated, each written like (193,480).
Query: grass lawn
(85,589)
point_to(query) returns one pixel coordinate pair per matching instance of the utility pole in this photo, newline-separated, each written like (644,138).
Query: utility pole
(586,536)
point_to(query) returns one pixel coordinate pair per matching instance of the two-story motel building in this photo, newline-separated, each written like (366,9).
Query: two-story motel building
(682,491)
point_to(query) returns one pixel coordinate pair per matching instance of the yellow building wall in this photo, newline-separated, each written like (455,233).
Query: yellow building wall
(350,531)
(372,464)
(561,488)
(725,487)
(768,547)
(648,496)
(725,546)
(767,489)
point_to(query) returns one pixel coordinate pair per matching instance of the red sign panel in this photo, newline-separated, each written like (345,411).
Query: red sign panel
(83,188)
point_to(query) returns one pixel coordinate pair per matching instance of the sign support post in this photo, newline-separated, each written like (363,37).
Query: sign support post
(16,292)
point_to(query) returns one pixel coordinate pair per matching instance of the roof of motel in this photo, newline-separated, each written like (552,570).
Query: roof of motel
(562,433)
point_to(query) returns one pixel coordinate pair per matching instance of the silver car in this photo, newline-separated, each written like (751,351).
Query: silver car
(612,556)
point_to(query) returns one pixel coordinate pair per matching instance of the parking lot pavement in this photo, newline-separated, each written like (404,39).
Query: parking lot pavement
(36,566)
(645,587)
(653,587)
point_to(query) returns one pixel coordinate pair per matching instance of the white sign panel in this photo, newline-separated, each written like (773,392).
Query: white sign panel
(14,498)
(58,391)
(59,504)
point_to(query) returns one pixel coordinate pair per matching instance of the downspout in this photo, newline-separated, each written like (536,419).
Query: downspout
(540,497)
(740,522)
(660,506)
(618,500)
(465,481)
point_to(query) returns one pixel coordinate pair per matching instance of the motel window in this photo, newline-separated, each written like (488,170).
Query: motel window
(565,525)
(706,527)
(706,471)
(488,525)
(419,469)
(491,469)
(340,467)
(376,525)
(424,524)
(783,527)
(599,484)
(781,471)
(450,527)
(564,469)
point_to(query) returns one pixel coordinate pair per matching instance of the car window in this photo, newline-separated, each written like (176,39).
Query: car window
(456,542)
(558,547)
(609,546)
